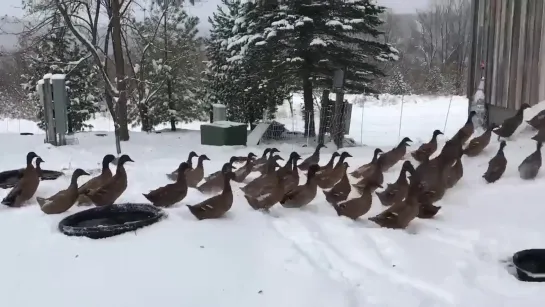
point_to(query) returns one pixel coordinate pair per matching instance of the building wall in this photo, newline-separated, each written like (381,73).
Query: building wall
(507,37)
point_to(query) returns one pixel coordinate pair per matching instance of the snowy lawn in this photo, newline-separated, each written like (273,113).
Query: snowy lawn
(308,257)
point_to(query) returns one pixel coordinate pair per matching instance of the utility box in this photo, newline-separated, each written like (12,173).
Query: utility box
(52,93)
(224,133)
(219,112)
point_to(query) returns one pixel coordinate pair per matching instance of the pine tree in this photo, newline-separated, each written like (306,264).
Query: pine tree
(246,86)
(313,38)
(59,52)
(156,102)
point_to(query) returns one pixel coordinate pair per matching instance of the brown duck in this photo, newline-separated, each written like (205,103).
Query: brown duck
(172,193)
(538,121)
(367,169)
(26,186)
(341,189)
(63,200)
(329,166)
(302,195)
(217,183)
(266,201)
(174,174)
(453,173)
(356,207)
(510,125)
(401,214)
(96,182)
(262,184)
(397,191)
(313,159)
(216,206)
(110,191)
(478,144)
(266,168)
(426,150)
(264,158)
(390,158)
(452,149)
(291,177)
(329,179)
(376,176)
(496,165)
(195,175)
(246,169)
(467,129)
(232,160)
(530,166)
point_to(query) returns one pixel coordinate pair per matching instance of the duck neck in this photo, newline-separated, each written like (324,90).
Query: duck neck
(264,155)
(180,177)
(310,180)
(289,163)
(375,157)
(402,175)
(190,161)
(120,170)
(74,182)
(330,162)
(340,162)
(199,164)
(226,185)
(316,152)
(434,138)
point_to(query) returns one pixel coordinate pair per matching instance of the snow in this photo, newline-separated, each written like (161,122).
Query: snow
(226,124)
(58,77)
(306,257)
(318,41)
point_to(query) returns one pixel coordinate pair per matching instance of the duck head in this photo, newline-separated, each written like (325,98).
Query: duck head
(405,141)
(408,166)
(124,159)
(345,155)
(502,145)
(335,155)
(471,114)
(109,158)
(251,156)
(273,150)
(39,161)
(294,156)
(30,156)
(183,167)
(202,158)
(192,155)
(227,167)
(345,165)
(377,152)
(79,172)
(320,146)
(524,106)
(267,150)
(312,170)
(437,132)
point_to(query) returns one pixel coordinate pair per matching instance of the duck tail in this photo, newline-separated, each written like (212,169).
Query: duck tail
(41,201)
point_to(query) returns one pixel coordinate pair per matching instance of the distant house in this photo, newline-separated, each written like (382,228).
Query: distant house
(507,39)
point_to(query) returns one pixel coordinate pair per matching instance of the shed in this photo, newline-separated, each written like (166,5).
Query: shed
(507,38)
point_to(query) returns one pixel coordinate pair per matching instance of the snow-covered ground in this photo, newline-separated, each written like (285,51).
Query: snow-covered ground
(307,257)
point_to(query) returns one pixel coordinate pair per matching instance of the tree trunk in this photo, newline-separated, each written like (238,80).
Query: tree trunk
(324,113)
(117,44)
(310,129)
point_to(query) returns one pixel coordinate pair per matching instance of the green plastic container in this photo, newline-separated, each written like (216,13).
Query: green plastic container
(224,133)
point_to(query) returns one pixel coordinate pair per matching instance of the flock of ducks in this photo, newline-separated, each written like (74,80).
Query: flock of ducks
(411,196)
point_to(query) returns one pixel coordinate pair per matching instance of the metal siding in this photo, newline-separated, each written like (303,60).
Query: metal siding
(507,36)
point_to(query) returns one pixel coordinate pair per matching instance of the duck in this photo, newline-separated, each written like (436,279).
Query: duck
(538,121)
(96,182)
(397,191)
(232,160)
(368,168)
(467,129)
(453,173)
(427,149)
(174,174)
(375,176)
(62,200)
(530,166)
(510,125)
(329,179)
(26,186)
(246,169)
(340,191)
(313,159)
(356,207)
(195,175)
(217,183)
(302,195)
(478,144)
(110,191)
(401,214)
(329,166)
(216,206)
(432,185)
(291,177)
(266,201)
(256,186)
(172,193)
(264,158)
(452,149)
(390,158)
(496,165)
(265,168)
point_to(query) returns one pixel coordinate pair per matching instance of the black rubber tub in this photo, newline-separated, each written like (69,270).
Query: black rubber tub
(530,265)
(109,221)
(9,179)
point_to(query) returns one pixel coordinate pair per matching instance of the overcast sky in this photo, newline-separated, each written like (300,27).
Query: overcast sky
(206,7)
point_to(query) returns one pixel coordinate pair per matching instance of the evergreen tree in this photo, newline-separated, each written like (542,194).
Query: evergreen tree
(313,38)
(167,86)
(59,52)
(247,86)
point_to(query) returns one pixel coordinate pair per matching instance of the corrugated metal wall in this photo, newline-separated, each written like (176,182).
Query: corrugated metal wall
(507,37)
